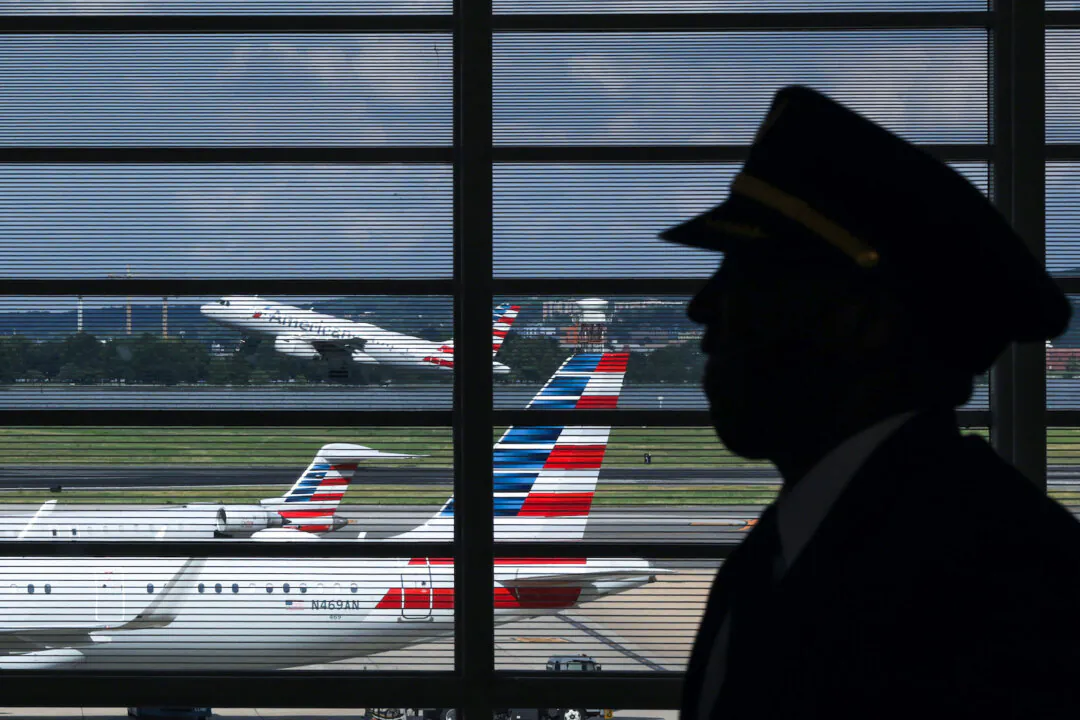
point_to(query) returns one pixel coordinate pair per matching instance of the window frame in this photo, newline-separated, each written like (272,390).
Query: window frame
(1017,416)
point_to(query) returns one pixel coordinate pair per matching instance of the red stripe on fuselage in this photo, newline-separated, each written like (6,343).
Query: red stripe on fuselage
(504,561)
(290,514)
(518,598)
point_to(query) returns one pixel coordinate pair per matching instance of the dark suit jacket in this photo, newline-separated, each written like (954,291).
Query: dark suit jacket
(942,583)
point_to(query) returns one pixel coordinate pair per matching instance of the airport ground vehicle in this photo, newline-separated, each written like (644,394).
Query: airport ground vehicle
(556,663)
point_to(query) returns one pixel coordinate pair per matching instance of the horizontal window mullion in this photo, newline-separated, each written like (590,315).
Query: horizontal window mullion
(598,286)
(209,155)
(655,418)
(218,24)
(263,417)
(217,548)
(1063,418)
(667,22)
(173,287)
(609,689)
(652,550)
(1063,151)
(684,153)
(1062,18)
(1068,284)
(295,688)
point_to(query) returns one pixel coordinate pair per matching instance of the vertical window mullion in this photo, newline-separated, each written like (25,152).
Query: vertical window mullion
(473,526)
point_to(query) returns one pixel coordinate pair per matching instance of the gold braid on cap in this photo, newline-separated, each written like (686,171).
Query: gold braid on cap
(797,210)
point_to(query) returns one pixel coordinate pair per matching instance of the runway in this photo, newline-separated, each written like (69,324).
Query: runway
(175,476)
(107,477)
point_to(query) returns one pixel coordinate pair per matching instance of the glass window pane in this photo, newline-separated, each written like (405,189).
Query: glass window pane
(180,220)
(225,7)
(739,6)
(233,352)
(223,483)
(642,623)
(222,90)
(1063,217)
(1062,86)
(603,219)
(389,624)
(714,87)
(1063,365)
(1063,466)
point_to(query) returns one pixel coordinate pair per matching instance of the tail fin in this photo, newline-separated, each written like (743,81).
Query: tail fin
(545,476)
(311,502)
(501,319)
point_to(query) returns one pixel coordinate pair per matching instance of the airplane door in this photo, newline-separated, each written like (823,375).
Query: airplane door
(416,594)
(109,590)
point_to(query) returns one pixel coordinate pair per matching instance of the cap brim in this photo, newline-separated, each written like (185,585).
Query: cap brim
(734,221)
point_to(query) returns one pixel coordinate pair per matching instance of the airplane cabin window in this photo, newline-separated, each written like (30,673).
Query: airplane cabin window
(202,587)
(235,587)
(150,588)
(30,588)
(303,587)
(48,589)
(285,587)
(217,588)
(54,532)
(269,588)
(353,587)
(74,531)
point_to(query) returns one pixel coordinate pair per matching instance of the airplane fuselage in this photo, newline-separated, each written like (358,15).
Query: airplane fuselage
(255,613)
(308,334)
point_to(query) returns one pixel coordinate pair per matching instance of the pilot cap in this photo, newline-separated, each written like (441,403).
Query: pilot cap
(895,214)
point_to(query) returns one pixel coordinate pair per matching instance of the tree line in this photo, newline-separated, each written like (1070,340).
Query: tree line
(84,359)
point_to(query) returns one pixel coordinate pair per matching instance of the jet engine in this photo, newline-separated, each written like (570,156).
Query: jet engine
(246,519)
(295,347)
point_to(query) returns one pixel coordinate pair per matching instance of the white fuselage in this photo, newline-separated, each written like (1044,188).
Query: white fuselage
(255,613)
(303,333)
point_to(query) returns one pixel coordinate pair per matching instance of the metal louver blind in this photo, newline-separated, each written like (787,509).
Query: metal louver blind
(226,90)
(227,7)
(1062,93)
(1063,218)
(601,220)
(741,6)
(236,352)
(225,220)
(711,88)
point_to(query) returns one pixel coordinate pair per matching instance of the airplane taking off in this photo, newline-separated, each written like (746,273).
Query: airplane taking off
(308,507)
(309,335)
(273,613)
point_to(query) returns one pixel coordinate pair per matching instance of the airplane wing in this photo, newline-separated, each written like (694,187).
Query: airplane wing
(31,645)
(587,576)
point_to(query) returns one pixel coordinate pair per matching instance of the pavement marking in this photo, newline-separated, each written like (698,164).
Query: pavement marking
(617,647)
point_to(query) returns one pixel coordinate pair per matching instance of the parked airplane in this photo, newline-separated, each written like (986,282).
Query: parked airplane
(309,335)
(268,613)
(309,506)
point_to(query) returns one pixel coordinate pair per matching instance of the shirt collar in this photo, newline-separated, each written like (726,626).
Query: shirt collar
(801,510)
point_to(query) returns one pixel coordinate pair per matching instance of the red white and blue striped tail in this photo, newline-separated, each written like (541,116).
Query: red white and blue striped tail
(545,476)
(501,319)
(310,504)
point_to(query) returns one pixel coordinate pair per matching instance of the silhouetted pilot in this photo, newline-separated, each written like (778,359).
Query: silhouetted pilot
(905,570)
